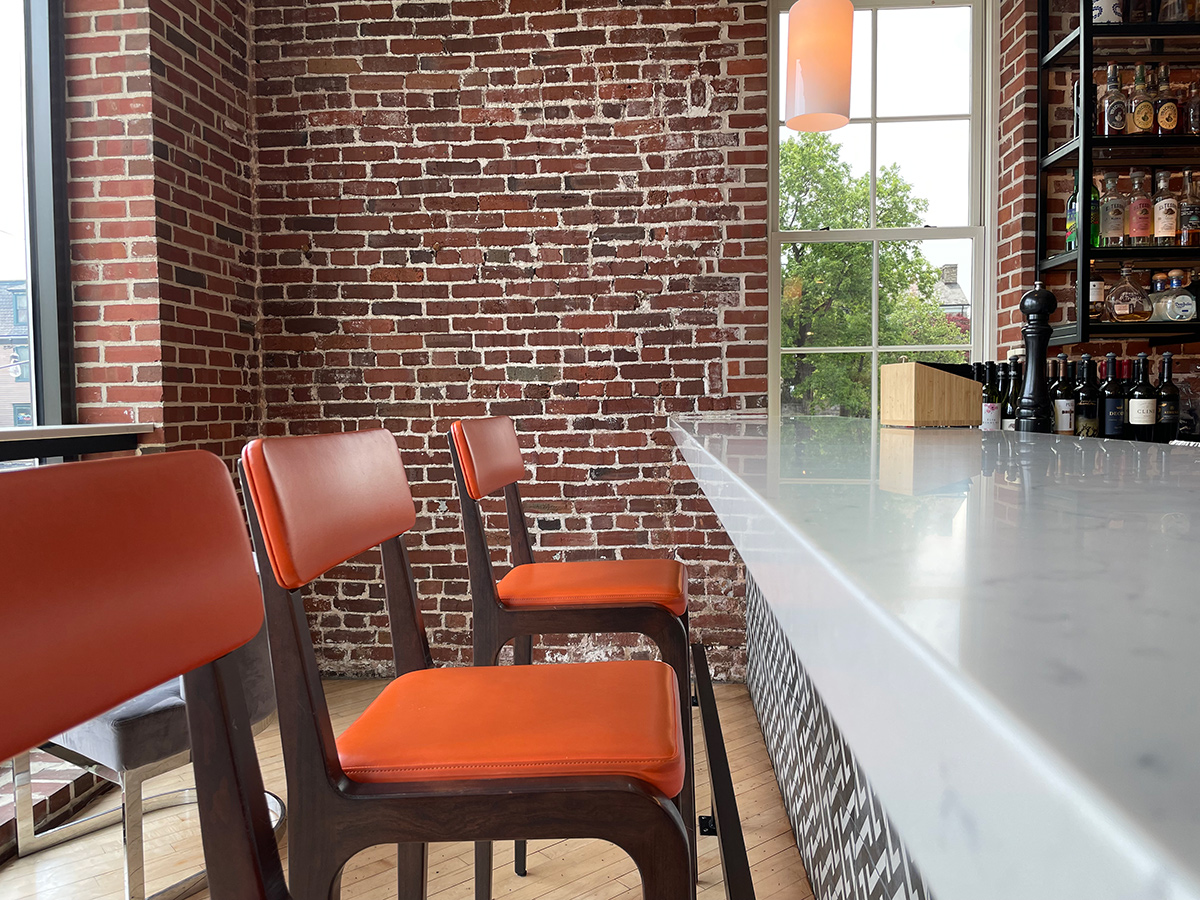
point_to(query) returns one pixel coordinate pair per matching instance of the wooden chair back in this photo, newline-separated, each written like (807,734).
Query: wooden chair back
(142,568)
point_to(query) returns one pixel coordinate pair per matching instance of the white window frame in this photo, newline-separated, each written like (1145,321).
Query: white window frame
(982,212)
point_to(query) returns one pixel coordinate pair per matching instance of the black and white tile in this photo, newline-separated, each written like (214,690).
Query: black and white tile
(847,843)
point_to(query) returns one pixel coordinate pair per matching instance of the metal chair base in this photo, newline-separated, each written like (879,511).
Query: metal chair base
(129,815)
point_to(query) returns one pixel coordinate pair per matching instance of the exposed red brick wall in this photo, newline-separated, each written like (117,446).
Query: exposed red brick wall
(203,152)
(111,185)
(548,209)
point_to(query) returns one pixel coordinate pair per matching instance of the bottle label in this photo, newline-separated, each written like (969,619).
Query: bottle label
(1114,115)
(1141,217)
(1087,419)
(1166,218)
(1072,225)
(1168,411)
(1168,116)
(1141,412)
(1095,292)
(1122,309)
(1064,416)
(1112,221)
(991,417)
(1008,424)
(1143,117)
(1114,416)
(1181,308)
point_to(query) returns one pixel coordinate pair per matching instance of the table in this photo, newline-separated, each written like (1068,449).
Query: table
(1003,629)
(45,441)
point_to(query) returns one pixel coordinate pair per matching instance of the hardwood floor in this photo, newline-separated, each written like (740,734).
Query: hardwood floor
(90,868)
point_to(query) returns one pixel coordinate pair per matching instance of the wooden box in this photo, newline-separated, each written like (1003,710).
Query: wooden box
(915,394)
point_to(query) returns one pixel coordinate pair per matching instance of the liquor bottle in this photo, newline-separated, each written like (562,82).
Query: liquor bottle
(1064,402)
(1087,400)
(1158,288)
(1166,212)
(1166,429)
(1127,302)
(1178,303)
(991,400)
(1189,212)
(1095,296)
(1193,109)
(1114,104)
(1143,401)
(1094,218)
(1139,215)
(1140,118)
(1113,205)
(1073,214)
(1166,106)
(1112,400)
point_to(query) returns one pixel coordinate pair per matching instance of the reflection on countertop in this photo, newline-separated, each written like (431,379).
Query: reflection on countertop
(1053,578)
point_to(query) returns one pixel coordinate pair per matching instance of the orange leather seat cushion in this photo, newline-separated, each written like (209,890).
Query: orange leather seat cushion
(620,582)
(606,718)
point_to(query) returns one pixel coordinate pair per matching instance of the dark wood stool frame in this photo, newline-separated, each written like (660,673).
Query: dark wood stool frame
(494,624)
(333,817)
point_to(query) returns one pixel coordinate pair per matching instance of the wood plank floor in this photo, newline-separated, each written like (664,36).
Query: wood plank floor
(90,868)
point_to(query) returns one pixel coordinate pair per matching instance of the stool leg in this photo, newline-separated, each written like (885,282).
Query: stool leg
(522,656)
(131,834)
(412,871)
(483,870)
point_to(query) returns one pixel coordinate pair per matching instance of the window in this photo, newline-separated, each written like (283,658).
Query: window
(878,242)
(33,297)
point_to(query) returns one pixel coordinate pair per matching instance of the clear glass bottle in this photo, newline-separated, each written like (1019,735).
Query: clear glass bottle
(1159,282)
(1178,303)
(1140,118)
(1166,104)
(1189,212)
(1113,205)
(1114,104)
(1166,212)
(1127,301)
(1139,216)
(1096,288)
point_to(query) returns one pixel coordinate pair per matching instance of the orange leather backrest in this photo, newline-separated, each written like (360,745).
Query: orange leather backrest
(119,574)
(322,499)
(489,454)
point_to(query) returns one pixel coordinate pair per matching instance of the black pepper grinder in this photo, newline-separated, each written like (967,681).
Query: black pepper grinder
(1033,409)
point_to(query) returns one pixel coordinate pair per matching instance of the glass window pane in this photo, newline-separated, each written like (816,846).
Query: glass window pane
(927,55)
(924,173)
(826,298)
(860,65)
(925,292)
(827,384)
(824,179)
(16,383)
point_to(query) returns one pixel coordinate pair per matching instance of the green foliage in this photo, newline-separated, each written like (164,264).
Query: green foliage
(827,286)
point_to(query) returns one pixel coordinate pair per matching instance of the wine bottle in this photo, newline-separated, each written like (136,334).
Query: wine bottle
(1087,400)
(1143,401)
(1112,400)
(1007,408)
(1166,429)
(991,400)
(1064,401)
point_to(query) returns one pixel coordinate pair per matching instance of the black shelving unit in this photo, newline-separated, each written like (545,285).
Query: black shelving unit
(1077,51)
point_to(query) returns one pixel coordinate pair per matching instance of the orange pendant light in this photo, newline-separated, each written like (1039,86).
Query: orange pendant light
(817,77)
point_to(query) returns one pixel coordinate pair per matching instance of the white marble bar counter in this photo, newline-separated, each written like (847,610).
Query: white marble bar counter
(1006,630)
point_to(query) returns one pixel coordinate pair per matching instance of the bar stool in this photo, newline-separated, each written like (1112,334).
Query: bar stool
(642,596)
(481,754)
(143,569)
